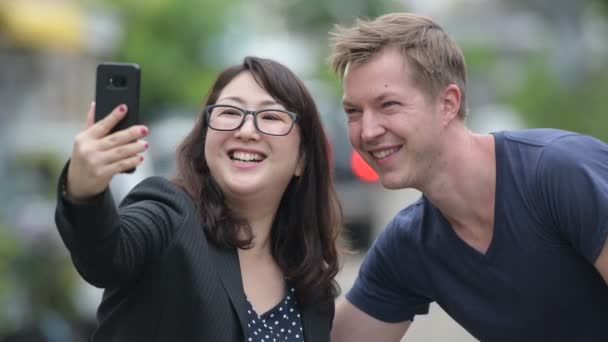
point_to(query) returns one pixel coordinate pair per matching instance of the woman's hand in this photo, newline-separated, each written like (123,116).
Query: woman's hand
(97,156)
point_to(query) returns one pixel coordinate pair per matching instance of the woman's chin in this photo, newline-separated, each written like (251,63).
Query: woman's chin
(243,189)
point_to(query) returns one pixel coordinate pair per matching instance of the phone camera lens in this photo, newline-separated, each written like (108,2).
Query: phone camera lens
(118,81)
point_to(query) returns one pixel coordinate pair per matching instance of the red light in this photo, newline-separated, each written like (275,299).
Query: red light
(362,169)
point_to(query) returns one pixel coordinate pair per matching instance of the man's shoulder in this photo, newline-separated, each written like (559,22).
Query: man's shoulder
(555,145)
(408,221)
(545,145)
(538,137)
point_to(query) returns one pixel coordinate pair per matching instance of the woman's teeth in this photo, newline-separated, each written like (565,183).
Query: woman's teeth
(245,156)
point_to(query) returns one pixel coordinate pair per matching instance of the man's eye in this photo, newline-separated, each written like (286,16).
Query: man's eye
(352,115)
(389,104)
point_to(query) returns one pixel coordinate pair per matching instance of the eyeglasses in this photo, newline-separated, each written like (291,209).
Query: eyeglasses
(268,121)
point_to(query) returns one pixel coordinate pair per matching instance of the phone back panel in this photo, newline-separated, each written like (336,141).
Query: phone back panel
(117,83)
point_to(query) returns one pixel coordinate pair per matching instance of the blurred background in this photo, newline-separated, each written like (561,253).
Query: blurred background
(533,63)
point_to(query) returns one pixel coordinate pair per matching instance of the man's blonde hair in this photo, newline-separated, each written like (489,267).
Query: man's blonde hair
(435,58)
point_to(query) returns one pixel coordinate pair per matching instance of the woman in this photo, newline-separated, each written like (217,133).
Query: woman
(239,246)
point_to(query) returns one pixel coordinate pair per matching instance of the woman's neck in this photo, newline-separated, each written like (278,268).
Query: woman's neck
(260,218)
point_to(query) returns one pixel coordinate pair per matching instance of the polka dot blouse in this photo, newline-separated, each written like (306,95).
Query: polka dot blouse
(279,324)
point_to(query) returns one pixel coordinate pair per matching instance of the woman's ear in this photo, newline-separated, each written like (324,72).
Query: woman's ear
(301,165)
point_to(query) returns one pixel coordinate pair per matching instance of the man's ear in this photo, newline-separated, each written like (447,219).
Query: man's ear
(450,102)
(301,164)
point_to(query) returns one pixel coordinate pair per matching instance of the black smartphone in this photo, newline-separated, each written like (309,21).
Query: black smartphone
(118,83)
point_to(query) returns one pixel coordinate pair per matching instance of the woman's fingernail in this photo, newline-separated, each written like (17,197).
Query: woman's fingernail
(141,158)
(144,131)
(123,108)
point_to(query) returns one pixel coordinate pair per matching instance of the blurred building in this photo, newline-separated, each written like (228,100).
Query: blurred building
(48,53)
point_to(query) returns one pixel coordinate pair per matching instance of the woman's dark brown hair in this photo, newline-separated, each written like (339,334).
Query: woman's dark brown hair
(306,227)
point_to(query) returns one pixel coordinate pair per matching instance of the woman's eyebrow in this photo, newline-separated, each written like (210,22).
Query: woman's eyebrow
(241,102)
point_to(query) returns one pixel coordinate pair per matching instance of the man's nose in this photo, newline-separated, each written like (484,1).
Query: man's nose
(371,126)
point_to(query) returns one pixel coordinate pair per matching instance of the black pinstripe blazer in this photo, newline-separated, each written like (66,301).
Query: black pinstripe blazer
(163,280)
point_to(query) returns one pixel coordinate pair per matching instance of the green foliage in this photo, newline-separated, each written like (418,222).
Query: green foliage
(602,5)
(315,18)
(546,101)
(319,16)
(9,249)
(44,169)
(167,38)
(35,276)
(50,280)
(479,59)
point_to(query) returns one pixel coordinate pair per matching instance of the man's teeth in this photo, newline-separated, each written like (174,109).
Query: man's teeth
(244,156)
(384,153)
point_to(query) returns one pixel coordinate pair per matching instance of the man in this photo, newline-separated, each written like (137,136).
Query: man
(509,236)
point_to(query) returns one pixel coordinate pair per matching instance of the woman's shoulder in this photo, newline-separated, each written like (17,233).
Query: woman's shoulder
(159,189)
(159,183)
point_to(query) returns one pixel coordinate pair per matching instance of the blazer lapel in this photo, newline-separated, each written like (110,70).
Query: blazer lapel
(315,325)
(228,268)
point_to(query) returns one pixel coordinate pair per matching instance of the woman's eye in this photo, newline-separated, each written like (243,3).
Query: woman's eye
(270,117)
(231,112)
(274,116)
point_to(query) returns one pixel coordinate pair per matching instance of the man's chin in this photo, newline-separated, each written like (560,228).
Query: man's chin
(391,183)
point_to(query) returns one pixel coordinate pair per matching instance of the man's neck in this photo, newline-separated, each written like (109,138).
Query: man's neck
(464,188)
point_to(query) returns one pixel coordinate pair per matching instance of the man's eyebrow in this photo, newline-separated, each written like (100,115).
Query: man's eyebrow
(346,103)
(383,96)
(379,98)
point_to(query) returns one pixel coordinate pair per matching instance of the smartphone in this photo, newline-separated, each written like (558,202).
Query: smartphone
(118,83)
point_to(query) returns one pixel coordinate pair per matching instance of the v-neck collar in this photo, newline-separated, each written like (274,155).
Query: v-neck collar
(232,281)
(488,256)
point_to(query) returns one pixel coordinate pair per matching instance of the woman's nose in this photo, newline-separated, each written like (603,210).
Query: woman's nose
(248,129)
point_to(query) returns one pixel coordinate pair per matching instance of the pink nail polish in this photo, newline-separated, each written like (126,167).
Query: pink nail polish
(123,108)
(144,131)
(141,158)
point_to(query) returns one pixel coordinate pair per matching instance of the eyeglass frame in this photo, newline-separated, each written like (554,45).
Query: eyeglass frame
(254,113)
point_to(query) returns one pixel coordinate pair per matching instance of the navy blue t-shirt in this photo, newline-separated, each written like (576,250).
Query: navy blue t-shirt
(536,282)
